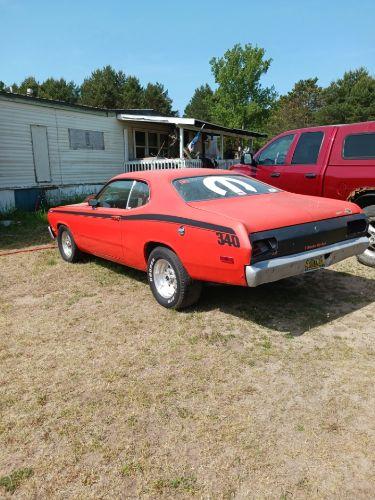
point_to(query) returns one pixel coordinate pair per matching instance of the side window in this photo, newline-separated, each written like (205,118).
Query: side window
(359,146)
(115,194)
(276,152)
(307,149)
(139,195)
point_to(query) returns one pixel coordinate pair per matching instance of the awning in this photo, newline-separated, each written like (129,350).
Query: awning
(189,124)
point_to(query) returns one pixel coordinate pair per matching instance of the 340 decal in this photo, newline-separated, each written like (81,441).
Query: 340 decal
(228,239)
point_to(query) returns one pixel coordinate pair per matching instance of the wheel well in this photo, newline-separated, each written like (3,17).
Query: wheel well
(151,245)
(364,199)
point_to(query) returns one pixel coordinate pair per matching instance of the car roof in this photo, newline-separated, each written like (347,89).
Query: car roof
(171,174)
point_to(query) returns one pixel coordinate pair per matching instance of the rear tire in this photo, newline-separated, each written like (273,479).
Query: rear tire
(170,284)
(368,256)
(67,246)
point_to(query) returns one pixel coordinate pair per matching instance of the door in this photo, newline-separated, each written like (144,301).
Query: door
(298,166)
(39,139)
(301,173)
(270,159)
(101,229)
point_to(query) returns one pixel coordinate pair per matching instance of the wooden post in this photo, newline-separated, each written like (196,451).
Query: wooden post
(222,147)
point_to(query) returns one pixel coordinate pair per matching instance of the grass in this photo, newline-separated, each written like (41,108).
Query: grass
(12,482)
(264,393)
(28,228)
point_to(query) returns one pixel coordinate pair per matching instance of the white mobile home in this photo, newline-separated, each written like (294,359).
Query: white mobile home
(62,149)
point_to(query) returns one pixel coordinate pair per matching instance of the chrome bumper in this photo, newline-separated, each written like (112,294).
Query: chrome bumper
(292,265)
(51,233)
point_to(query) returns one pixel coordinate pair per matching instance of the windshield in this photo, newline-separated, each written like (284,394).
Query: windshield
(213,187)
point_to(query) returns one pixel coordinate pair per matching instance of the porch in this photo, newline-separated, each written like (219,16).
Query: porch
(153,142)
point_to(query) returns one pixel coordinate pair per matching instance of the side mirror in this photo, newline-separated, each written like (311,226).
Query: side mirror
(93,202)
(247,159)
(89,197)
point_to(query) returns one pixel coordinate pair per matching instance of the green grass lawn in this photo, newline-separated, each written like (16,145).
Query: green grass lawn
(26,229)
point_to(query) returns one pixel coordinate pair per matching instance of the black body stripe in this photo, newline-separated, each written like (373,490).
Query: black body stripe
(156,217)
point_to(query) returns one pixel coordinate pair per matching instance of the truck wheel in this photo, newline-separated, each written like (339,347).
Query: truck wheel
(368,256)
(170,284)
(68,249)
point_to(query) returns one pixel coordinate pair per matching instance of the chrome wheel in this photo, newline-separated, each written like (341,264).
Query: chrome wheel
(371,234)
(66,243)
(164,278)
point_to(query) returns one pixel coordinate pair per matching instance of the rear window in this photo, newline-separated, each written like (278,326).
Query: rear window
(307,149)
(213,187)
(359,146)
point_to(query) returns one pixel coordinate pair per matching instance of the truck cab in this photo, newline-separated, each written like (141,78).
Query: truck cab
(334,161)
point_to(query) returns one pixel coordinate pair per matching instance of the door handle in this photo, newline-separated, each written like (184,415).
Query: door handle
(275,174)
(115,217)
(310,175)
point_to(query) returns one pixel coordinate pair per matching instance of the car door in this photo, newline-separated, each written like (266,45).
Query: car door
(271,158)
(101,233)
(302,172)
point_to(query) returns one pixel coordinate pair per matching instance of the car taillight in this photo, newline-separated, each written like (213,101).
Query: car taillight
(264,247)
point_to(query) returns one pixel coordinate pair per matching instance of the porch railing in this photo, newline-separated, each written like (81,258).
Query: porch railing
(137,165)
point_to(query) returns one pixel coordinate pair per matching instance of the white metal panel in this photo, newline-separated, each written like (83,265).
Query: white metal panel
(16,152)
(40,152)
(83,166)
(67,166)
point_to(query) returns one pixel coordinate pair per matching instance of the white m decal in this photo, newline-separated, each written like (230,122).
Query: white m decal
(214,182)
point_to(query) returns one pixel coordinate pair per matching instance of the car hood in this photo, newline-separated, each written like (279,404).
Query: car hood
(271,211)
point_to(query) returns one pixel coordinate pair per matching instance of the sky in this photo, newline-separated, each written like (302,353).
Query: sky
(172,42)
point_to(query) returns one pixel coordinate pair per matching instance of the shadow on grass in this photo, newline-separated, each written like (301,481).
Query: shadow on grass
(129,272)
(293,305)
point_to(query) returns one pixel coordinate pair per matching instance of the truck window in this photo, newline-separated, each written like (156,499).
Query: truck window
(307,149)
(359,146)
(276,152)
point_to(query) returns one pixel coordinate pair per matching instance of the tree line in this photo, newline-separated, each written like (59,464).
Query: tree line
(104,88)
(238,100)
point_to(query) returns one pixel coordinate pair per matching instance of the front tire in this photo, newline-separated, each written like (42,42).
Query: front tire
(170,284)
(368,256)
(67,246)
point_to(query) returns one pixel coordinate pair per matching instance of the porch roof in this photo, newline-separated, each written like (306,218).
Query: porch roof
(188,123)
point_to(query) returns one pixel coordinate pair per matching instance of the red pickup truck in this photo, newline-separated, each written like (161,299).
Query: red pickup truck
(334,161)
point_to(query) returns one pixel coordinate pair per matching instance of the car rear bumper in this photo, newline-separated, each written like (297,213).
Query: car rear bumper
(292,265)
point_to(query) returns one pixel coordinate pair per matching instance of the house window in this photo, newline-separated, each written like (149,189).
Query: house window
(150,144)
(85,139)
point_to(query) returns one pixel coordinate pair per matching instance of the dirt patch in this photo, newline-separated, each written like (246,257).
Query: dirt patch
(263,393)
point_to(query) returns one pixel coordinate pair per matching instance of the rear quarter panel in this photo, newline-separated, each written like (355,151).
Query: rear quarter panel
(198,249)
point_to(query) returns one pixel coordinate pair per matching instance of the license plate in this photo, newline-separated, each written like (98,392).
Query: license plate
(314,263)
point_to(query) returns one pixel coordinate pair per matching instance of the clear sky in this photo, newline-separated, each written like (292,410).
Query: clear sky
(173,41)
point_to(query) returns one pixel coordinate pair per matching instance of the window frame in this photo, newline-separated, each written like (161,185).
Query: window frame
(292,152)
(130,193)
(291,148)
(131,189)
(146,145)
(354,158)
(85,131)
